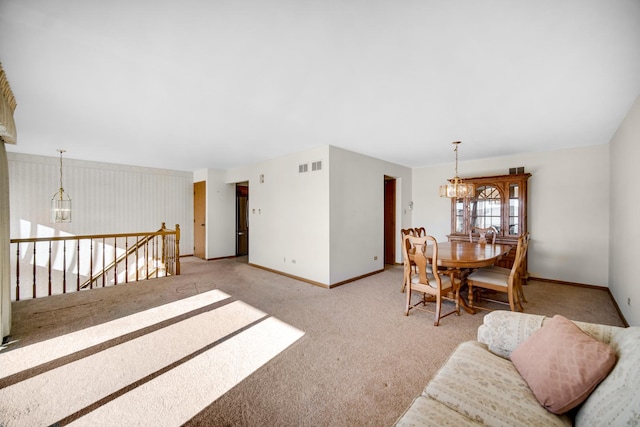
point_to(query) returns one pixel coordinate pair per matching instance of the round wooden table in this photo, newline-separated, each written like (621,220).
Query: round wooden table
(464,256)
(461,255)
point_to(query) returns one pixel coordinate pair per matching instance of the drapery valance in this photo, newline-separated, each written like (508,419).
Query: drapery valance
(7,106)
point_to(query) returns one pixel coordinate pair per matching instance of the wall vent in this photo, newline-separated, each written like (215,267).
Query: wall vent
(316,166)
(303,168)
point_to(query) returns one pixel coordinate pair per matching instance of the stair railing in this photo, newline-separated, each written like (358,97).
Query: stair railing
(52,265)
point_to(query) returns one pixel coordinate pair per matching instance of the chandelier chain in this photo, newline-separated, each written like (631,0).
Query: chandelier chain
(61,189)
(456,150)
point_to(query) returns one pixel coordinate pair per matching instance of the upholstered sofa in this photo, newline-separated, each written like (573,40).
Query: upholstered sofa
(481,385)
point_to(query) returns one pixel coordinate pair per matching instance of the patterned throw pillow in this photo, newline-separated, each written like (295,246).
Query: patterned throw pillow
(562,365)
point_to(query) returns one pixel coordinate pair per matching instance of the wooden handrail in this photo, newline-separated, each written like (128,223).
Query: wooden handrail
(91,249)
(125,255)
(92,236)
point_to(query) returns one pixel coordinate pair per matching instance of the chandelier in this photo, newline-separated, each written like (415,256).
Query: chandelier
(456,188)
(61,202)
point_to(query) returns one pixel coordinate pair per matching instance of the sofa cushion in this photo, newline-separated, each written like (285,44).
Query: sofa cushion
(489,390)
(503,331)
(616,401)
(425,412)
(562,364)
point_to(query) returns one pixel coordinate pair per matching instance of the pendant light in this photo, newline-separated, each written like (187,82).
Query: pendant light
(61,202)
(456,188)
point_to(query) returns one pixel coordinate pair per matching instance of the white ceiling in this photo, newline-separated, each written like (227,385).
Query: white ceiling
(218,84)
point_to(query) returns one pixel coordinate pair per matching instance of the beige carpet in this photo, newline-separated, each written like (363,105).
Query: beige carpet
(229,344)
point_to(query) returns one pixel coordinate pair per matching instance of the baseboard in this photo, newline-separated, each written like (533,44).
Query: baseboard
(302,279)
(312,282)
(222,257)
(353,279)
(562,282)
(581,285)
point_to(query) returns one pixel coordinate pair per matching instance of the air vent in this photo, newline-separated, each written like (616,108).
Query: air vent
(316,166)
(303,168)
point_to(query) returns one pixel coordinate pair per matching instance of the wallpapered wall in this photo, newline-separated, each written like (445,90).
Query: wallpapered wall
(106,198)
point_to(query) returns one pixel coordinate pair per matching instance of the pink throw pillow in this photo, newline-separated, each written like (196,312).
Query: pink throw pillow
(562,365)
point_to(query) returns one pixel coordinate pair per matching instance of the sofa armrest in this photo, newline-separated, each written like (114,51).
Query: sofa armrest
(503,331)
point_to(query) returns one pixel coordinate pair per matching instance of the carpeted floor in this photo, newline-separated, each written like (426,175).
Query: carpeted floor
(229,344)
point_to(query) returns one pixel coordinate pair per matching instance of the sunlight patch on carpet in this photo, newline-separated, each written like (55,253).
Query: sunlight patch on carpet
(36,354)
(53,395)
(178,395)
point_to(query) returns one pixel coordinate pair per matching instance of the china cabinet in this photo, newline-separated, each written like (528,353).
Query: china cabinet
(500,202)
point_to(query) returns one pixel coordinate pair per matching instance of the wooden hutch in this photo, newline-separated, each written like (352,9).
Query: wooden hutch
(499,201)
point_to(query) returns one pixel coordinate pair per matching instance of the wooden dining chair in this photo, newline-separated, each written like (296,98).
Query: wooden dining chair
(429,282)
(407,250)
(486,278)
(420,231)
(523,268)
(492,232)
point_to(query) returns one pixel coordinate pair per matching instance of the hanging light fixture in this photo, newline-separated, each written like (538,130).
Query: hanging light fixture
(61,202)
(456,188)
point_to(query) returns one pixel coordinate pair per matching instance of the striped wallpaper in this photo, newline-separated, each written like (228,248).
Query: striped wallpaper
(106,198)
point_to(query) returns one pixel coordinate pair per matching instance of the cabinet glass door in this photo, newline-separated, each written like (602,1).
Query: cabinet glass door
(514,210)
(460,216)
(486,208)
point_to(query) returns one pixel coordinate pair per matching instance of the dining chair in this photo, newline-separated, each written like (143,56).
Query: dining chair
(523,268)
(429,282)
(482,234)
(407,250)
(486,278)
(420,231)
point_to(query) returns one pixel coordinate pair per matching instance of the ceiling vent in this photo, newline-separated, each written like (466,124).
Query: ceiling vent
(303,168)
(316,166)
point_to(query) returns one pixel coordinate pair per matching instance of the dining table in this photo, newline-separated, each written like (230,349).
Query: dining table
(466,256)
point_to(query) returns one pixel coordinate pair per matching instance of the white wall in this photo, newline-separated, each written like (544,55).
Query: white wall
(568,208)
(327,225)
(289,214)
(106,198)
(625,223)
(357,212)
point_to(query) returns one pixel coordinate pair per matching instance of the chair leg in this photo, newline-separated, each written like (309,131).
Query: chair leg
(521,291)
(511,303)
(518,301)
(457,297)
(470,296)
(408,290)
(438,306)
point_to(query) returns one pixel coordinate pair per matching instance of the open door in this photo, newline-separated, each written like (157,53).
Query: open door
(242,219)
(199,218)
(389,220)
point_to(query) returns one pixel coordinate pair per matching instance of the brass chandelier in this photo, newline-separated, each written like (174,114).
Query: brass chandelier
(61,202)
(456,188)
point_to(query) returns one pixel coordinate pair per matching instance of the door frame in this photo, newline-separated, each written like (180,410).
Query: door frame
(200,208)
(240,185)
(389,232)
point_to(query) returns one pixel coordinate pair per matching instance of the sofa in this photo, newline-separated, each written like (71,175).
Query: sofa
(480,384)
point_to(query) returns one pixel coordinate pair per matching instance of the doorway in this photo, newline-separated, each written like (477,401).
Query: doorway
(242,219)
(199,218)
(389,220)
